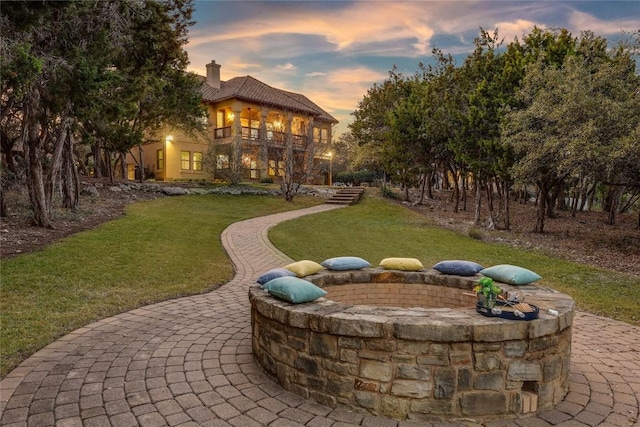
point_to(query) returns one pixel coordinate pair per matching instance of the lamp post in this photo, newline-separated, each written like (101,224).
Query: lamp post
(167,140)
(330,168)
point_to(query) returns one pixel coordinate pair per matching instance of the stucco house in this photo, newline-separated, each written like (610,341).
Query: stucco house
(247,117)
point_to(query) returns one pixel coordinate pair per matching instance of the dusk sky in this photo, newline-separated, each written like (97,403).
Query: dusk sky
(334,51)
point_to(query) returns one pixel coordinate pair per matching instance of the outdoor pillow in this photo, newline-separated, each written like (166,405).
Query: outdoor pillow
(510,274)
(304,267)
(294,290)
(274,273)
(458,267)
(345,263)
(406,264)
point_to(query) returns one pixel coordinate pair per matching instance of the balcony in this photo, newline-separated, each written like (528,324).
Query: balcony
(253,136)
(222,133)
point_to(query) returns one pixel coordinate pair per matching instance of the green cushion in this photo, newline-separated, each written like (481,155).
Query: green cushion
(510,274)
(293,289)
(345,263)
(405,264)
(304,268)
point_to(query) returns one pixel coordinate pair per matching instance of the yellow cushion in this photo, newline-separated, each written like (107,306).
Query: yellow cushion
(304,267)
(406,264)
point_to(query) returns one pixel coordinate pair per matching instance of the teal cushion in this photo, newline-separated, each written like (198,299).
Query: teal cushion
(458,267)
(510,274)
(293,289)
(274,273)
(345,263)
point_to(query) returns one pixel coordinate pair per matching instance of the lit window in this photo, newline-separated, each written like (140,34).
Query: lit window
(222,161)
(276,168)
(197,161)
(159,159)
(185,160)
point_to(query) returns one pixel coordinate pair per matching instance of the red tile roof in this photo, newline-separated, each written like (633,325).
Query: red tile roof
(250,89)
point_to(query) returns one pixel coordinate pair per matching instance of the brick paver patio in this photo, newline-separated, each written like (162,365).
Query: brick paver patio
(188,362)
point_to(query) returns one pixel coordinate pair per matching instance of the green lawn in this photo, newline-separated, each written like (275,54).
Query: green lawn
(376,228)
(171,247)
(161,249)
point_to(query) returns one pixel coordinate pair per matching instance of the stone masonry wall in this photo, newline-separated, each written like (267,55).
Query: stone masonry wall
(400,295)
(423,364)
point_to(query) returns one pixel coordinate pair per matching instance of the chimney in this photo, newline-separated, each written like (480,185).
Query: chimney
(213,74)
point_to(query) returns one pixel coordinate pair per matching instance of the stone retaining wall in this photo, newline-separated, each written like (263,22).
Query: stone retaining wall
(415,363)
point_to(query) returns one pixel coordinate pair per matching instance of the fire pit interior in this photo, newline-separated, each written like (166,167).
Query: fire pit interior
(410,345)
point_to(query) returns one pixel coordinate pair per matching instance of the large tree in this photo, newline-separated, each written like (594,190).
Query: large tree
(577,120)
(108,70)
(487,91)
(371,127)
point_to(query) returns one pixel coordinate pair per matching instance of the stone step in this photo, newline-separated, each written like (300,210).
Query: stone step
(346,196)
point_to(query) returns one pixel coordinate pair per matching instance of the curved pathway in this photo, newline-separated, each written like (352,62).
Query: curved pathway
(187,362)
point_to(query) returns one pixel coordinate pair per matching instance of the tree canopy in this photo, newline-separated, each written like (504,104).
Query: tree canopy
(551,110)
(96,74)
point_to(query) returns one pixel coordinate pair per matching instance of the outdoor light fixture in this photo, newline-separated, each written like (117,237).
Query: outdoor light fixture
(167,139)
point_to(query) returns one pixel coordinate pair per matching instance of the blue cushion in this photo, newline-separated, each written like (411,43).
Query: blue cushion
(274,273)
(345,263)
(458,267)
(293,289)
(510,274)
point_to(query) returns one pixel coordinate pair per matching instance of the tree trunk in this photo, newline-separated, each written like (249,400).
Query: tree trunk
(288,183)
(6,145)
(109,168)
(70,177)
(492,214)
(456,189)
(507,208)
(592,196)
(561,203)
(465,187)
(552,198)
(633,198)
(423,185)
(81,164)
(478,202)
(33,148)
(614,201)
(97,159)
(141,163)
(542,208)
(57,158)
(123,164)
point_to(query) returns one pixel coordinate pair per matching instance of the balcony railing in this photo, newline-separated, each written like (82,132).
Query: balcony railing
(221,133)
(274,138)
(251,134)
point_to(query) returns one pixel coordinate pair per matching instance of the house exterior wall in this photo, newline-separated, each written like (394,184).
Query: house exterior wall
(257,135)
(263,132)
(171,166)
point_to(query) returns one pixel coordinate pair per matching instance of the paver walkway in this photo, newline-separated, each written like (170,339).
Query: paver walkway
(188,362)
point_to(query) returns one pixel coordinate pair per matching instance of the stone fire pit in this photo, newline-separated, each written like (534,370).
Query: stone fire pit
(410,345)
